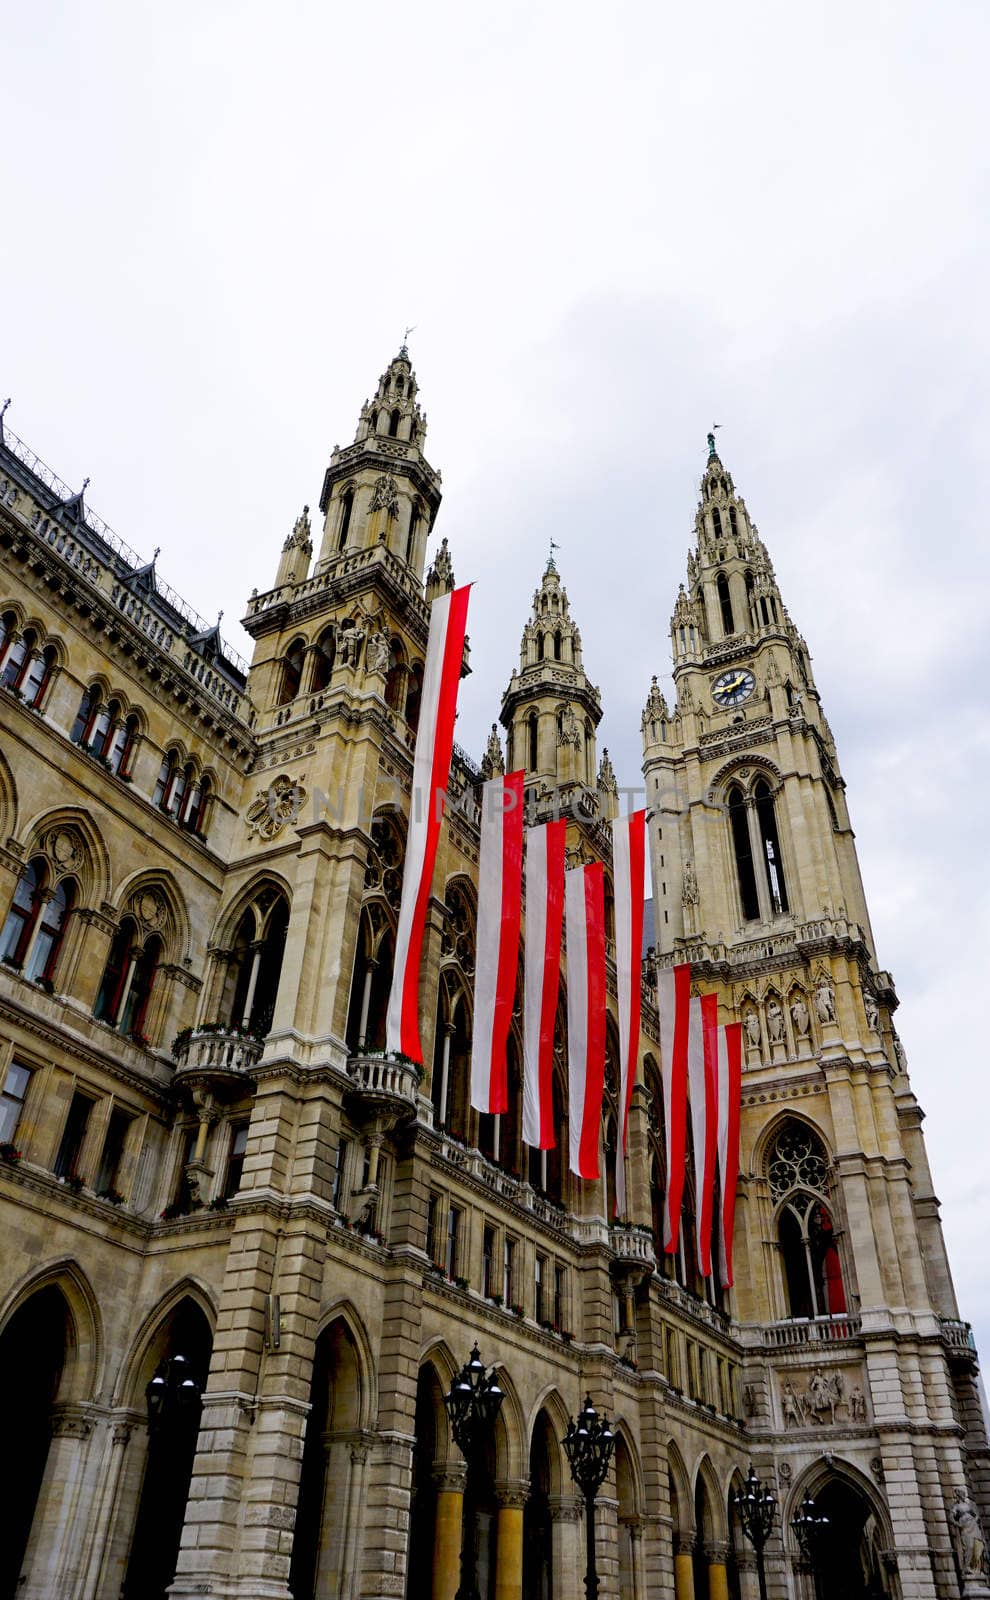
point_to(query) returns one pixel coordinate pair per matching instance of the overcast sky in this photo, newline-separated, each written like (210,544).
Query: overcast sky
(612,226)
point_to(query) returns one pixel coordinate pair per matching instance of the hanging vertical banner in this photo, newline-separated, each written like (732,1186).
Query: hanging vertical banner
(729,1100)
(674,1002)
(545,859)
(499,915)
(584,911)
(703,1092)
(431,770)
(629,867)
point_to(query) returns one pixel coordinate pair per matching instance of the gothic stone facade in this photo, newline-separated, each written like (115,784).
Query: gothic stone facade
(206,1155)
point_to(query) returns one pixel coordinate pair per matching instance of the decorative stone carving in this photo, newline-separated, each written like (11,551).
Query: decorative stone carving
(350,637)
(967,1537)
(689,891)
(825,1000)
(65,850)
(821,1399)
(872,1012)
(857,1404)
(493,762)
(749,1400)
(569,732)
(275,807)
(386,495)
(800,1017)
(150,908)
(607,781)
(751,1022)
(440,578)
(377,654)
(775,1021)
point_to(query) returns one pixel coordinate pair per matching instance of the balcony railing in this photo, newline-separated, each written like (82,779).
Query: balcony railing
(812,1330)
(214,1051)
(378,1078)
(634,1244)
(958,1335)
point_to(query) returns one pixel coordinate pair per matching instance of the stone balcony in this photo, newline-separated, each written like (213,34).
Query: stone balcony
(958,1337)
(384,1087)
(634,1245)
(803,1331)
(214,1059)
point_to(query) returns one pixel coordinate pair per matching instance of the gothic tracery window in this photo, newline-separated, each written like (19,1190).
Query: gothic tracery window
(725,602)
(797,1172)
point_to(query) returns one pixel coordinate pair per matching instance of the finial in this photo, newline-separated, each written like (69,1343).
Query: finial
(404,346)
(551,565)
(85,486)
(3,409)
(712,452)
(219,618)
(155,553)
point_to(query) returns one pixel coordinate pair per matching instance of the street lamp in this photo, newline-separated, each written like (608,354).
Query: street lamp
(589,1442)
(472,1406)
(172,1392)
(811,1527)
(757,1507)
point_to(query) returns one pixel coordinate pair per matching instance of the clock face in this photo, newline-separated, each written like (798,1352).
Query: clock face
(732,688)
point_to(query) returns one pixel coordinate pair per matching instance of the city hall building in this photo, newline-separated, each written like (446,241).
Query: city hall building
(214,1181)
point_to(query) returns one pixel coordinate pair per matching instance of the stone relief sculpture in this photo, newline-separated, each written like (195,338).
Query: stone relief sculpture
(350,637)
(800,1017)
(872,1012)
(775,1022)
(752,1022)
(276,806)
(689,893)
(386,495)
(377,653)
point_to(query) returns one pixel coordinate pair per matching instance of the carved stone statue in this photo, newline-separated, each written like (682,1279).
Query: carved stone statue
(386,495)
(792,1407)
(570,733)
(857,1405)
(825,1001)
(377,653)
(775,1022)
(801,1018)
(689,893)
(967,1536)
(753,1028)
(349,640)
(872,1012)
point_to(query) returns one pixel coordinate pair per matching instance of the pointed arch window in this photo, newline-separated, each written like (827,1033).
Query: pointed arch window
(258,965)
(128,980)
(393,423)
(291,672)
(411,537)
(18,659)
(346,507)
(739,824)
(733,525)
(25,909)
(797,1171)
(395,678)
(725,603)
(45,949)
(717,522)
(770,847)
(534,742)
(326,649)
(414,695)
(38,675)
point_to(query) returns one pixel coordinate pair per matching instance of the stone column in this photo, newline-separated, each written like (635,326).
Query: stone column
(568,1545)
(511,1499)
(684,1569)
(447,1532)
(718,1578)
(51,1561)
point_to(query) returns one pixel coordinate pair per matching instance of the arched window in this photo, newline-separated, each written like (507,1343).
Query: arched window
(8,622)
(750,597)
(716,522)
(557,645)
(291,672)
(739,823)
(198,793)
(128,980)
(51,931)
(134,1007)
(38,675)
(732,521)
(18,659)
(393,423)
(589,755)
(797,1171)
(395,678)
(534,742)
(259,945)
(411,536)
(326,649)
(725,603)
(87,705)
(166,772)
(414,695)
(346,507)
(25,909)
(120,749)
(770,846)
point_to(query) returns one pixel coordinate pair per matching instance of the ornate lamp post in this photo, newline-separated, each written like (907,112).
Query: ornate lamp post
(757,1507)
(811,1527)
(172,1393)
(472,1406)
(589,1442)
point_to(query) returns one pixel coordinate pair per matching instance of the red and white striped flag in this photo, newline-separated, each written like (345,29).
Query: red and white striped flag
(729,1101)
(497,961)
(584,910)
(431,770)
(703,1092)
(629,866)
(545,858)
(674,1001)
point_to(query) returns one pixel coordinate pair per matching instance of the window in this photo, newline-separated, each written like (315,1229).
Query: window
(346,507)
(559,1295)
(113,1150)
(338,1194)
(433,1214)
(534,728)
(292,666)
(128,980)
(17,660)
(73,1134)
(120,750)
(770,846)
(717,522)
(453,1252)
(393,424)
(23,914)
(169,763)
(725,602)
(258,967)
(488,1263)
(38,676)
(508,1271)
(739,823)
(733,525)
(798,1175)
(46,947)
(15,1088)
(539,1284)
(235,1159)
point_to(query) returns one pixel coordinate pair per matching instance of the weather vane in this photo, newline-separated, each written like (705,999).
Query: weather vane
(408,331)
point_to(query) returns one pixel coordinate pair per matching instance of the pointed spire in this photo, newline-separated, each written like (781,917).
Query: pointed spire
(3,412)
(440,578)
(301,537)
(76,503)
(493,762)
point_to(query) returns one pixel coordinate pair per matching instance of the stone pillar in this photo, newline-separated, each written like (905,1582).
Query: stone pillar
(54,1549)
(683,1570)
(718,1577)
(447,1533)
(511,1499)
(568,1545)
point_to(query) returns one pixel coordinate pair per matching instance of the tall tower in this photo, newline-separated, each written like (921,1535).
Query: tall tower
(550,710)
(841,1269)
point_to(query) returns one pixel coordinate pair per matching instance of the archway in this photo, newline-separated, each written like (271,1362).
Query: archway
(423,1502)
(330,1485)
(628,1515)
(33,1347)
(168,1467)
(851,1561)
(537,1520)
